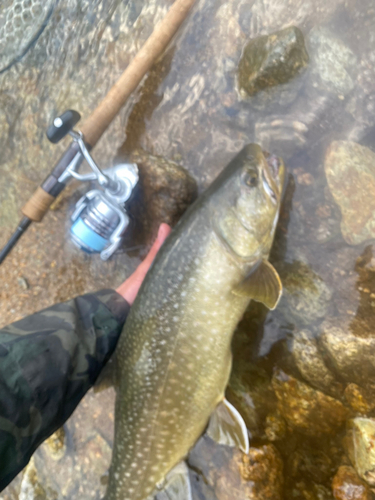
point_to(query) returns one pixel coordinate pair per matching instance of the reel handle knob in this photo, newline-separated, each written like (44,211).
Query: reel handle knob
(62,125)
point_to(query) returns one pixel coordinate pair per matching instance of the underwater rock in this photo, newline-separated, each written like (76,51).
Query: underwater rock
(360,442)
(310,362)
(351,353)
(347,485)
(310,463)
(308,490)
(333,64)
(55,444)
(359,399)
(350,173)
(250,392)
(263,467)
(228,474)
(271,60)
(31,486)
(275,427)
(306,297)
(165,191)
(305,409)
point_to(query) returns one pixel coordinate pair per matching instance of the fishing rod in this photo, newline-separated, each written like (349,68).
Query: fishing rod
(100,218)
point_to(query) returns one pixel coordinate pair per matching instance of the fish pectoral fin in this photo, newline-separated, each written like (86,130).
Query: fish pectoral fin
(227,427)
(176,485)
(263,284)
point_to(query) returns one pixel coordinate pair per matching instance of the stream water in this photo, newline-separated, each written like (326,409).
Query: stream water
(315,350)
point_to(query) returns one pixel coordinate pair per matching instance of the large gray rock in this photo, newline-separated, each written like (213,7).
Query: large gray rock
(350,171)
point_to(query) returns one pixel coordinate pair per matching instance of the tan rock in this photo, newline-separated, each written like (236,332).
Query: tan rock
(305,409)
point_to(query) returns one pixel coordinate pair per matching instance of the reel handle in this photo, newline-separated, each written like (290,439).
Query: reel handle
(62,125)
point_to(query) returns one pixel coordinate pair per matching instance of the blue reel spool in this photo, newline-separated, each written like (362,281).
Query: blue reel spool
(86,238)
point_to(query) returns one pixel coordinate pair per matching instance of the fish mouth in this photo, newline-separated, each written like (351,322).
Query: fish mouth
(273,175)
(268,188)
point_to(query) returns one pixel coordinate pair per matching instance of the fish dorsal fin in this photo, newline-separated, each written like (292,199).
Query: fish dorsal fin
(263,284)
(176,485)
(227,427)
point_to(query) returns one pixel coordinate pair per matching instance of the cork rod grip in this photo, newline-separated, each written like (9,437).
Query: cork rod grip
(102,116)
(38,205)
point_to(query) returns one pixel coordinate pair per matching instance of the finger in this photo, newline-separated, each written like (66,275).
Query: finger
(130,287)
(163,233)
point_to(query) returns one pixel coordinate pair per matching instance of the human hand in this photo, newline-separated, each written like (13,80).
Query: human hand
(130,287)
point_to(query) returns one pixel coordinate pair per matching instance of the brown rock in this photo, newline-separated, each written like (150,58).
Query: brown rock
(264,468)
(55,444)
(305,409)
(358,399)
(165,190)
(347,485)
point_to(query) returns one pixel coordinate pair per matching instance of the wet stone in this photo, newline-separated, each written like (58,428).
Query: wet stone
(32,487)
(231,475)
(306,297)
(360,442)
(305,409)
(264,468)
(333,64)
(311,364)
(165,190)
(350,173)
(55,444)
(360,400)
(252,395)
(275,427)
(272,60)
(347,485)
(307,490)
(351,352)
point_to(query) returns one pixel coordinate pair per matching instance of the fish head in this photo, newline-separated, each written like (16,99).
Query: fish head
(246,202)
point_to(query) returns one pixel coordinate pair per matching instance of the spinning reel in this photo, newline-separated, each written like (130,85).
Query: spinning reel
(99,220)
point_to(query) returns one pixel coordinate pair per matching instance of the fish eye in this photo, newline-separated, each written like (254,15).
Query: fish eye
(250,177)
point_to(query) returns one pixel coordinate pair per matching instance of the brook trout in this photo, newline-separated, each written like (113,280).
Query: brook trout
(174,355)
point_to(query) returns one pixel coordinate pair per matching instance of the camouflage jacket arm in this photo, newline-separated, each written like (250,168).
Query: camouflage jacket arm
(48,361)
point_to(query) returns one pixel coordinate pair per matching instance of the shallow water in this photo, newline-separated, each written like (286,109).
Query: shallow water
(189,110)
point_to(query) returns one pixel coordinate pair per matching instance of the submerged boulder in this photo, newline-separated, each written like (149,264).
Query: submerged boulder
(347,485)
(271,60)
(360,442)
(229,474)
(350,173)
(165,190)
(306,410)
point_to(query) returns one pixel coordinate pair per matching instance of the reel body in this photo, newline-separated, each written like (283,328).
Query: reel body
(100,218)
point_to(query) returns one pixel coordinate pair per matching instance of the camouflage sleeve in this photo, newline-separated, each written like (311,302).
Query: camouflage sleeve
(48,361)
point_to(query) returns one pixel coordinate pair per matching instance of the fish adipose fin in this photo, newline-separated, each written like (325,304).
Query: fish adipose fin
(263,284)
(227,427)
(176,485)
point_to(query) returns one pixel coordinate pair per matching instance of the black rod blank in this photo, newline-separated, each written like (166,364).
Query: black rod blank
(22,226)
